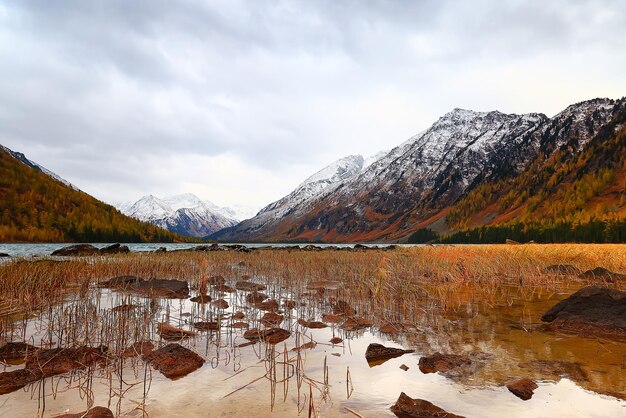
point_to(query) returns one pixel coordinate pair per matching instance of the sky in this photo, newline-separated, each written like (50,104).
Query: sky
(239,101)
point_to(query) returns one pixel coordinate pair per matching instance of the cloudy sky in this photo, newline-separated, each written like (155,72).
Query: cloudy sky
(239,101)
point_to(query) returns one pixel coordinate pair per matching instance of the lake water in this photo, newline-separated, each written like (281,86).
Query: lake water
(30,250)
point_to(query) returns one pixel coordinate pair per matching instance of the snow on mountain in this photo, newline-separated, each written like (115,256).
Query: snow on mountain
(22,158)
(185,214)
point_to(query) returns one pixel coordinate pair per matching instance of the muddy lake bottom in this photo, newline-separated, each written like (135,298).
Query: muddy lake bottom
(576,376)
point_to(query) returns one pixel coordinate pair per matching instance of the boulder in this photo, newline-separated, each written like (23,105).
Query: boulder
(591,311)
(522,388)
(220,304)
(95,412)
(407,407)
(442,362)
(17,379)
(207,325)
(336,340)
(272,319)
(201,299)
(15,351)
(256,297)
(175,289)
(115,249)
(377,353)
(268,305)
(120,282)
(160,250)
(4,255)
(77,250)
(174,360)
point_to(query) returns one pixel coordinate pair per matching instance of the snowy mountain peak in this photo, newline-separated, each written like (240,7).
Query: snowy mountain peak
(339,170)
(185,200)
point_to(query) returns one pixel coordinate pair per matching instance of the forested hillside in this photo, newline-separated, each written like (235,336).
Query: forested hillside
(35,207)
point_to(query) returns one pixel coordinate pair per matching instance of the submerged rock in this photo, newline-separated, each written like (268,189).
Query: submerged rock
(355,323)
(555,369)
(62,360)
(442,362)
(336,340)
(248,286)
(268,305)
(207,325)
(378,353)
(17,379)
(256,297)
(15,351)
(305,346)
(312,324)
(270,336)
(171,333)
(593,310)
(522,388)
(174,360)
(95,412)
(177,289)
(407,407)
(602,274)
(201,299)
(220,304)
(272,319)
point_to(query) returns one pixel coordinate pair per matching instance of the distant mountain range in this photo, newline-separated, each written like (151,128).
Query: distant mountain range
(184,214)
(468,170)
(470,177)
(37,205)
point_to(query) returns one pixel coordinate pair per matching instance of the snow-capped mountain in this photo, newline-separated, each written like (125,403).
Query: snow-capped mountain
(424,175)
(22,158)
(185,214)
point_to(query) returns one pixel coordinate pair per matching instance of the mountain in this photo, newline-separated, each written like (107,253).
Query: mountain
(433,179)
(184,214)
(36,205)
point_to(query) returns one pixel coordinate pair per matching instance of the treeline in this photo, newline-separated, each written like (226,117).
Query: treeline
(36,208)
(595,231)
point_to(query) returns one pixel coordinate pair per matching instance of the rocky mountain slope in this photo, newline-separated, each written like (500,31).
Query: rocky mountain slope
(184,214)
(36,205)
(418,183)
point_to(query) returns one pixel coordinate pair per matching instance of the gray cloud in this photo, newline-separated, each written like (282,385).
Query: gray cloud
(121,97)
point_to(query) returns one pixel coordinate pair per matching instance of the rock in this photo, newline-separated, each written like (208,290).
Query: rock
(115,249)
(555,369)
(17,379)
(377,353)
(201,299)
(256,297)
(268,305)
(15,351)
(248,286)
(238,315)
(62,360)
(4,255)
(591,311)
(442,362)
(404,367)
(160,250)
(406,407)
(220,304)
(332,318)
(355,323)
(120,282)
(522,388)
(270,336)
(76,250)
(305,346)
(272,319)
(602,274)
(562,269)
(239,325)
(174,360)
(140,348)
(207,326)
(216,280)
(176,289)
(171,333)
(223,288)
(335,340)
(95,412)
(290,304)
(341,307)
(391,328)
(312,324)
(511,242)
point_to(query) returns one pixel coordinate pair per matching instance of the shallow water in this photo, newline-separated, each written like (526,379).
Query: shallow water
(231,382)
